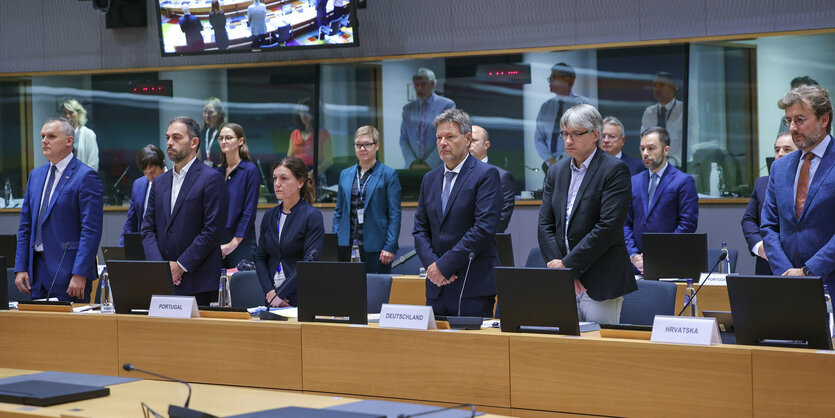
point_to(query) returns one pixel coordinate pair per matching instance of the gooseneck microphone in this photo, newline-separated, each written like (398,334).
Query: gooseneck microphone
(465,322)
(129,367)
(58,270)
(722,256)
(269,316)
(463,285)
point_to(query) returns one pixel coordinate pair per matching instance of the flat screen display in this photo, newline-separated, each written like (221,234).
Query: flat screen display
(195,27)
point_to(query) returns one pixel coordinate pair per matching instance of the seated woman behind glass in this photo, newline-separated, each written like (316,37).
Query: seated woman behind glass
(301,139)
(242,185)
(292,231)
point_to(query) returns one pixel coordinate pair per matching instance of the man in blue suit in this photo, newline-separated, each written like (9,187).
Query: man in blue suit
(368,204)
(751,219)
(455,223)
(186,214)
(151,161)
(799,235)
(612,141)
(664,199)
(192,28)
(60,222)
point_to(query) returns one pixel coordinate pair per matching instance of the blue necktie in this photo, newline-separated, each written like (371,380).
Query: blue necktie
(44,205)
(447,189)
(653,183)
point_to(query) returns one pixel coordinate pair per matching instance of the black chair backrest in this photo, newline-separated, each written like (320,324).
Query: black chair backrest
(379,290)
(652,298)
(535,258)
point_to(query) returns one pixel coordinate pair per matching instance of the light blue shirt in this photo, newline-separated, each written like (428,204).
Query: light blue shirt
(818,151)
(417,130)
(577,175)
(545,124)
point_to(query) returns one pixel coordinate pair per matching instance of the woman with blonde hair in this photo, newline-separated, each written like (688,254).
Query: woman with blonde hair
(84,145)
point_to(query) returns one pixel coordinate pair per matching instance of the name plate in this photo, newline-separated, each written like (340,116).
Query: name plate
(173,307)
(716,279)
(685,330)
(407,317)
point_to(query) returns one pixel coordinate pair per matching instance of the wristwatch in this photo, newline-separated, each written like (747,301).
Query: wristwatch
(806,271)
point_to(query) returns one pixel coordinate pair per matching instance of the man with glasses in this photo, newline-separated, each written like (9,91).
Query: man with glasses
(546,137)
(664,199)
(612,141)
(797,222)
(368,205)
(584,206)
(417,135)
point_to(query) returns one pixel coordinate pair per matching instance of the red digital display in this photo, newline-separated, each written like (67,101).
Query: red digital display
(152,88)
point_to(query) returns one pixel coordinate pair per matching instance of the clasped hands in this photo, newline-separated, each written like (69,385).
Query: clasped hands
(435,276)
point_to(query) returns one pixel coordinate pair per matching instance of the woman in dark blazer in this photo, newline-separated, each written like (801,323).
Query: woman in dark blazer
(242,185)
(370,189)
(292,231)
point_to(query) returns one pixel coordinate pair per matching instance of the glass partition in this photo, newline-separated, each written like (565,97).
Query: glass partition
(720,99)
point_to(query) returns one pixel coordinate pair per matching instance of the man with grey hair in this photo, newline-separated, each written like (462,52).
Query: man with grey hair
(581,219)
(60,222)
(549,144)
(417,136)
(455,224)
(797,228)
(612,141)
(186,214)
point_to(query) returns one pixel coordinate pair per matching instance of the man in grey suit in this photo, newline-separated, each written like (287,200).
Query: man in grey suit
(478,149)
(584,205)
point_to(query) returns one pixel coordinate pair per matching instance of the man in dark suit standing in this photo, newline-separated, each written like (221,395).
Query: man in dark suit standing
(581,219)
(797,213)
(151,161)
(751,219)
(664,199)
(192,28)
(612,141)
(60,222)
(186,214)
(478,149)
(455,223)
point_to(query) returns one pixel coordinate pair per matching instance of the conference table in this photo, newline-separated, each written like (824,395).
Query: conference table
(502,373)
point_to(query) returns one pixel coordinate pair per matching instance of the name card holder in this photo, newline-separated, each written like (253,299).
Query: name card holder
(182,307)
(685,330)
(716,279)
(407,317)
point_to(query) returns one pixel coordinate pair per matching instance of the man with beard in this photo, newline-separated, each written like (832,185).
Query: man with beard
(186,214)
(664,198)
(797,228)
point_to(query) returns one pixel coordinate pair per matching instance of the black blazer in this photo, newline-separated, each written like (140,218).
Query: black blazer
(751,223)
(598,254)
(301,238)
(508,199)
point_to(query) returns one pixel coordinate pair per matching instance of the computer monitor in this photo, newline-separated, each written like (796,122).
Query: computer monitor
(537,300)
(505,246)
(779,311)
(8,248)
(332,291)
(674,256)
(331,251)
(113,253)
(133,282)
(133,246)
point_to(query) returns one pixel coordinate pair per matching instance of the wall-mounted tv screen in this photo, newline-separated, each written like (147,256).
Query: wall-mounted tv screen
(192,27)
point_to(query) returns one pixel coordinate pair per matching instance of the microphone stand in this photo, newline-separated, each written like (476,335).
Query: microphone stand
(173,410)
(722,257)
(465,322)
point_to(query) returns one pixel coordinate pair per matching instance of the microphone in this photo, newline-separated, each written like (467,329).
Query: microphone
(448,408)
(116,184)
(465,322)
(58,270)
(173,411)
(722,256)
(266,314)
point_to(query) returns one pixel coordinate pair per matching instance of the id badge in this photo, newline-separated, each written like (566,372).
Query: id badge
(360,215)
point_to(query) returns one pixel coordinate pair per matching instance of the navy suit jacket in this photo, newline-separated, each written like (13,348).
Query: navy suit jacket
(598,255)
(191,234)
(381,226)
(301,238)
(791,242)
(751,223)
(469,225)
(674,207)
(136,209)
(508,198)
(72,223)
(635,164)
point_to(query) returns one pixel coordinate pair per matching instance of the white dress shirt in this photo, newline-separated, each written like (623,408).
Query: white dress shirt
(577,175)
(61,166)
(177,182)
(456,170)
